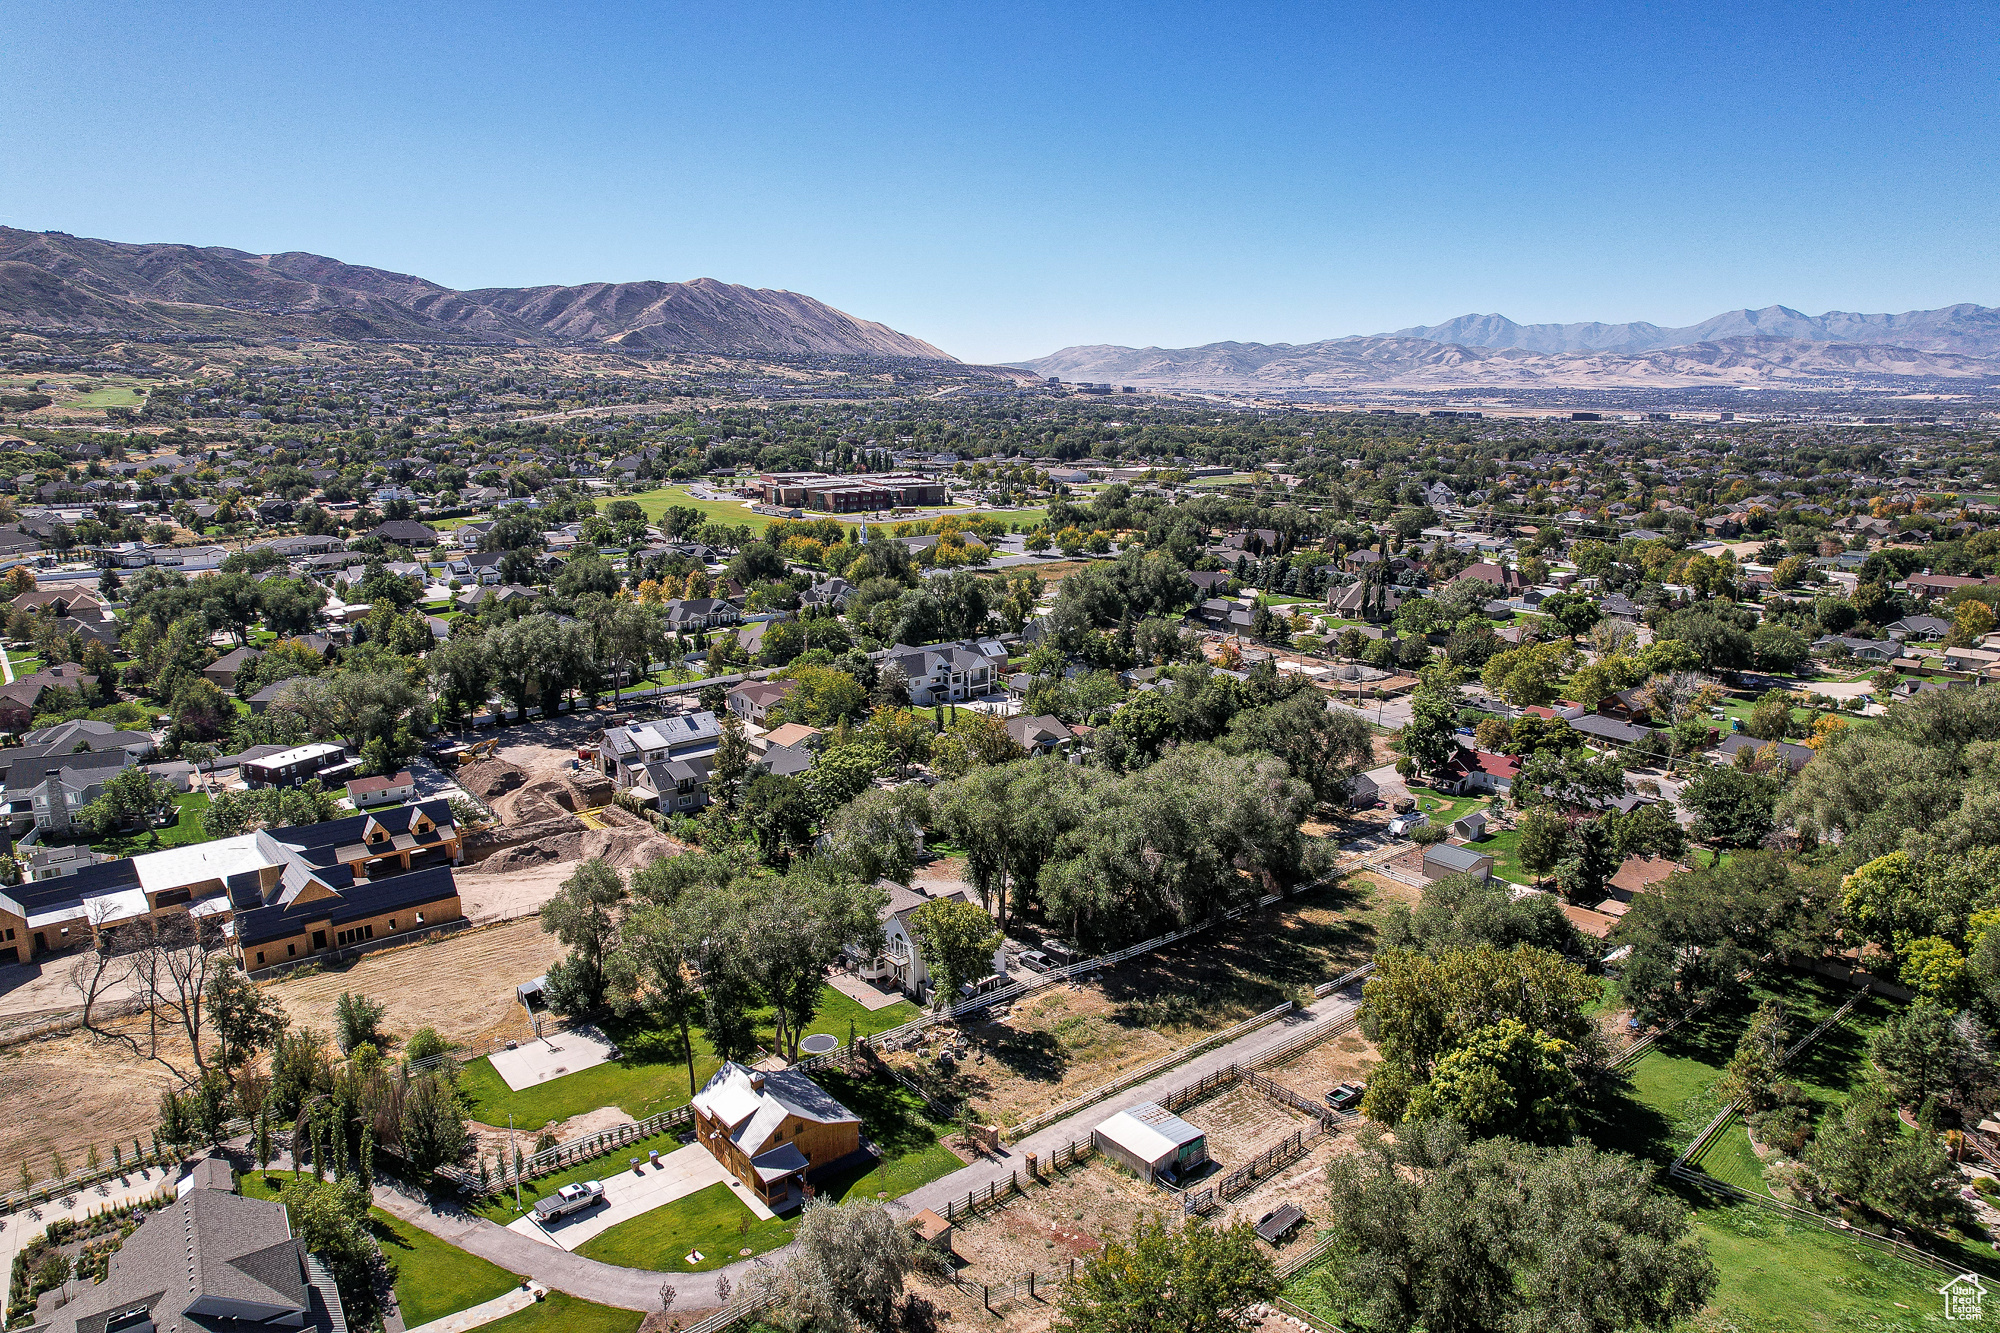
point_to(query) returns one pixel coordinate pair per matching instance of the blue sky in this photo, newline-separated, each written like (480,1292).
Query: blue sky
(1007,180)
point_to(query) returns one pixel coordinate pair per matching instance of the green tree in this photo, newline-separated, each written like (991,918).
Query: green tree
(1196,1278)
(244,1018)
(432,1131)
(1431,1233)
(1325,748)
(1751,1076)
(1543,837)
(331,1217)
(582,916)
(1733,808)
(793,927)
(1430,737)
(1420,1008)
(134,796)
(956,940)
(357,1021)
(1924,1052)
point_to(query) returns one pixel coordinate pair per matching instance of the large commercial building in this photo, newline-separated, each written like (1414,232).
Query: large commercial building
(859,493)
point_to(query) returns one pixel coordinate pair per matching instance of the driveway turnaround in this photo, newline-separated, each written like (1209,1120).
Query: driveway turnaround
(630,1193)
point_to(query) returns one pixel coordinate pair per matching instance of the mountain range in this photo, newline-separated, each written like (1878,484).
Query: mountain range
(52,280)
(1773,347)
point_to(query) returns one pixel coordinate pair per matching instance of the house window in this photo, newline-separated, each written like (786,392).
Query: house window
(291,951)
(260,958)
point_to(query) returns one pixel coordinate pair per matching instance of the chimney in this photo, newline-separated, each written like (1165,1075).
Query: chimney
(757,1080)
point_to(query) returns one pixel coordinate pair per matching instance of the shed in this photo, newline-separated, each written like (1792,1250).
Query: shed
(530,994)
(932,1230)
(1445,859)
(1152,1140)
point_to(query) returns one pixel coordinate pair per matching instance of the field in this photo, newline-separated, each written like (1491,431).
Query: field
(462,985)
(653,1075)
(733,514)
(1045,1228)
(1066,1039)
(111,395)
(66,1093)
(433,1279)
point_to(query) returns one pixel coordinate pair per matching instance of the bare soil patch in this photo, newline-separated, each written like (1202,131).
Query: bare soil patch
(462,985)
(65,1093)
(1301,1182)
(1242,1122)
(1048,1226)
(1068,1038)
(1318,1069)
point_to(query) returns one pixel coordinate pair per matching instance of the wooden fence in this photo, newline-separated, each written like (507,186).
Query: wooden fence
(1289,1149)
(569,1154)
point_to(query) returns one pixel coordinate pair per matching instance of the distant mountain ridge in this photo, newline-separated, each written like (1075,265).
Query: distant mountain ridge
(1968,330)
(52,279)
(1742,348)
(1342,364)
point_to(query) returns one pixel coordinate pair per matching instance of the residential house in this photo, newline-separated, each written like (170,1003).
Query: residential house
(85,734)
(222,671)
(900,962)
(381,790)
(1040,735)
(1865,650)
(1796,757)
(693,614)
(771,1128)
(665,763)
(19,700)
(1506,578)
(404,532)
(947,672)
(785,751)
(297,765)
(1921,628)
(50,792)
(1471,771)
(55,862)
(754,701)
(210,1260)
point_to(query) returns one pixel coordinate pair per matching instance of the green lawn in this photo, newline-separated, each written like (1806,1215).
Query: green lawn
(711,1221)
(1505,849)
(1731,1159)
(1781,1276)
(186,828)
(110,396)
(657,502)
(652,1075)
(557,1313)
(432,1278)
(1442,808)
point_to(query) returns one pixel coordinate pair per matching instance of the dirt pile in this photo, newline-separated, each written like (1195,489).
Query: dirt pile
(545,798)
(530,855)
(627,842)
(489,778)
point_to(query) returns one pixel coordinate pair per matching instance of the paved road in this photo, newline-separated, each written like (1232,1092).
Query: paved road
(1247,1049)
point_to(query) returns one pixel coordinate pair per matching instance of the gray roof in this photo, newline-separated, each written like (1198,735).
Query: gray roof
(1610,729)
(235,1258)
(1454,858)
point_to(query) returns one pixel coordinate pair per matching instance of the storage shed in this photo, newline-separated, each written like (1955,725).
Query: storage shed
(1152,1141)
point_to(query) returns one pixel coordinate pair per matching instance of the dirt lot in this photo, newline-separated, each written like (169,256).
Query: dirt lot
(1343,1059)
(1069,1038)
(1048,1226)
(462,985)
(68,1092)
(1242,1122)
(1301,1182)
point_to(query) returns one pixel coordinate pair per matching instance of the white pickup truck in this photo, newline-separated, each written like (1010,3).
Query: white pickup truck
(569,1199)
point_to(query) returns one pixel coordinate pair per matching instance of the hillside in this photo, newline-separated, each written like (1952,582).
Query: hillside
(1418,363)
(54,280)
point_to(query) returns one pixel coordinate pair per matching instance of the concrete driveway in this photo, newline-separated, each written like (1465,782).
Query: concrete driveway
(551,1057)
(631,1193)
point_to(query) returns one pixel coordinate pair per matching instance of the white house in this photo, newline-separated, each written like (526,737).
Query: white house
(900,964)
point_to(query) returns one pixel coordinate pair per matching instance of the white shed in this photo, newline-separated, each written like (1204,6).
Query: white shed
(1152,1141)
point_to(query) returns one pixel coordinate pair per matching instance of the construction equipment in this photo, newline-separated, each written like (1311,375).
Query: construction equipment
(478,750)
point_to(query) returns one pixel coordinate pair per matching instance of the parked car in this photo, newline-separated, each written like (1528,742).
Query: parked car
(1061,954)
(1346,1097)
(1402,825)
(1034,960)
(572,1198)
